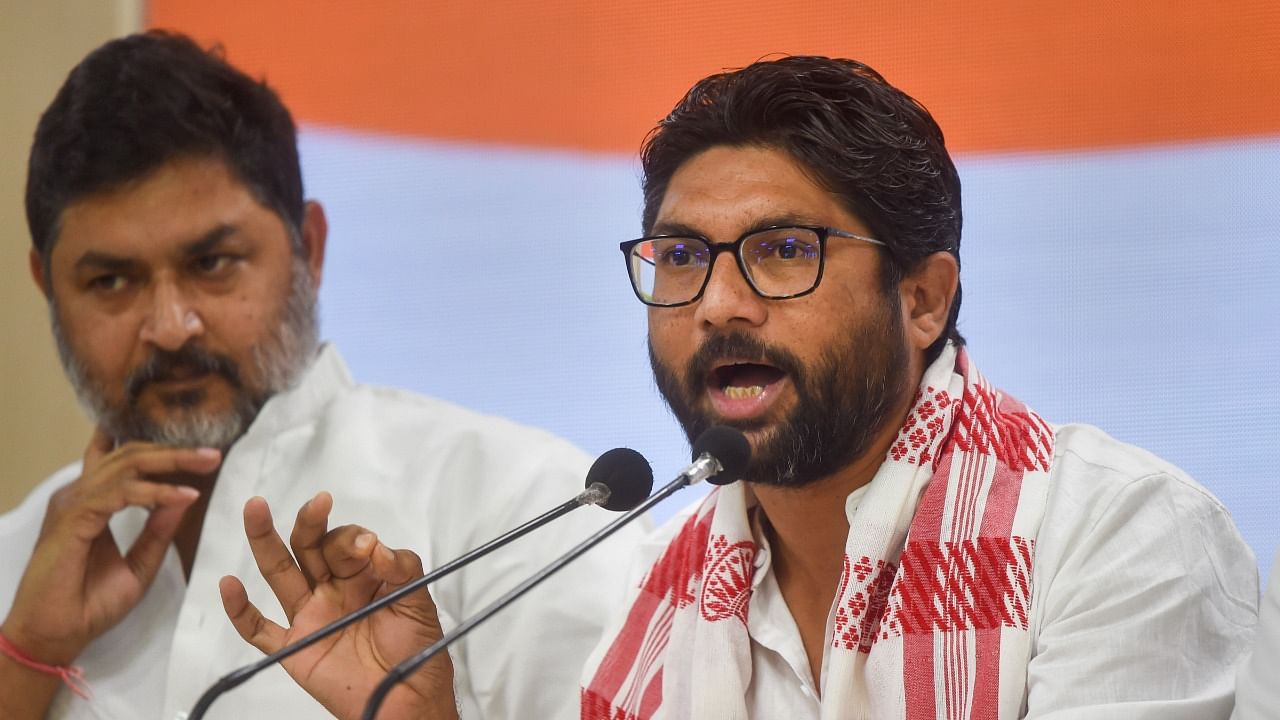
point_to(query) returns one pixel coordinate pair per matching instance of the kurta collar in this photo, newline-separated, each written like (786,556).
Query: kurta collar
(320,383)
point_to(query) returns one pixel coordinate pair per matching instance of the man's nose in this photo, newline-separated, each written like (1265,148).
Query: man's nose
(728,300)
(172,319)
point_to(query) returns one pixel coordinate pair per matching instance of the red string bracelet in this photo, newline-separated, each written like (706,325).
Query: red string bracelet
(72,675)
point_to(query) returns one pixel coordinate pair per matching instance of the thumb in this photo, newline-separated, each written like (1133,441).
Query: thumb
(147,553)
(397,568)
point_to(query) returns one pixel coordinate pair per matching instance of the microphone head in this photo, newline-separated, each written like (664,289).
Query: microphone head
(627,475)
(729,447)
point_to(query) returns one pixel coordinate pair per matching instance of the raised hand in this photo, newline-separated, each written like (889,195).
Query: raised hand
(78,583)
(329,574)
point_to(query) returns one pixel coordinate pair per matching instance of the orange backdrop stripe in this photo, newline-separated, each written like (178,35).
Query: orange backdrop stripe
(590,75)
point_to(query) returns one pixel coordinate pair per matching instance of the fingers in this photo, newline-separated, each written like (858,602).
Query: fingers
(83,512)
(141,493)
(346,550)
(147,553)
(126,476)
(432,681)
(141,460)
(308,532)
(273,558)
(395,567)
(248,621)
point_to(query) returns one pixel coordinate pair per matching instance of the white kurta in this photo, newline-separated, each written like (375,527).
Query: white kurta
(1144,596)
(1258,684)
(425,475)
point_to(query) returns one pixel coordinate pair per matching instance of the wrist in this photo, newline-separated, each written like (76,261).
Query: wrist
(35,677)
(24,693)
(46,651)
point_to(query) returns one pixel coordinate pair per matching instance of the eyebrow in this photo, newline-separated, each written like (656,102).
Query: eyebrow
(209,240)
(101,261)
(674,228)
(681,229)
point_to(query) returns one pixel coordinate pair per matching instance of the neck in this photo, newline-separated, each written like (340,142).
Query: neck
(808,525)
(808,528)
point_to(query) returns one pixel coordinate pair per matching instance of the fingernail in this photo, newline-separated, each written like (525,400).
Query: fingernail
(386,553)
(210,453)
(188,491)
(364,540)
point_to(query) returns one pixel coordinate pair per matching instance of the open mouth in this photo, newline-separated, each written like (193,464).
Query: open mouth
(745,380)
(741,390)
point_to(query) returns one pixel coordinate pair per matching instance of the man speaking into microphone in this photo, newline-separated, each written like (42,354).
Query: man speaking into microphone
(180,261)
(909,541)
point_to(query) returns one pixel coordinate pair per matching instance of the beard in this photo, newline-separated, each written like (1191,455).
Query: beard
(843,401)
(279,361)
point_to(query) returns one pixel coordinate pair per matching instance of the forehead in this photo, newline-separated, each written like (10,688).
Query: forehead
(731,189)
(167,208)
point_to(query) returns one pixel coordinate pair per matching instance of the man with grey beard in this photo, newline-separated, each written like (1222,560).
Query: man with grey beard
(180,262)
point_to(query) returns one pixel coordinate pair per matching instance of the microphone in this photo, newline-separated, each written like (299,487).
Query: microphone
(618,480)
(720,452)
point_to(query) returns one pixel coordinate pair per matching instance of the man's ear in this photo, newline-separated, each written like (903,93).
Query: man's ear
(315,231)
(38,273)
(926,294)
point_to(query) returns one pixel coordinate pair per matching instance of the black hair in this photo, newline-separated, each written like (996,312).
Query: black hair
(862,139)
(144,100)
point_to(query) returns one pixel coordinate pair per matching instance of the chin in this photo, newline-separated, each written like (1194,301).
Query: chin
(201,429)
(207,423)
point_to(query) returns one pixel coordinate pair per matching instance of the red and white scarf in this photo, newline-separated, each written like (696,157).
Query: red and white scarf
(931,618)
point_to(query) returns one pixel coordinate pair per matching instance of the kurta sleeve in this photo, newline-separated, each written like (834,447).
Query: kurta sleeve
(1258,684)
(1146,604)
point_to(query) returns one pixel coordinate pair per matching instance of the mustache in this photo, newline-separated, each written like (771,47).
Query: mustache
(741,346)
(163,365)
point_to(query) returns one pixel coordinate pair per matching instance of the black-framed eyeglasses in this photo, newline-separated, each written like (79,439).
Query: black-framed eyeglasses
(778,263)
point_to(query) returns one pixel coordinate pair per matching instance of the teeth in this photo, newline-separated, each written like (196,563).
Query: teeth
(739,393)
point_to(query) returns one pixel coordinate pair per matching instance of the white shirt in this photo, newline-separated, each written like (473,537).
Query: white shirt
(1144,602)
(1258,684)
(424,475)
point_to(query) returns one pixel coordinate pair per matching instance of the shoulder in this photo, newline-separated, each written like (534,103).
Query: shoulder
(371,443)
(1119,518)
(415,424)
(393,429)
(1140,577)
(1094,476)
(1257,695)
(32,508)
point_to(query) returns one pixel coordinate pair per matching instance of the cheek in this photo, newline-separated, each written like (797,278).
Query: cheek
(819,323)
(237,323)
(233,320)
(671,335)
(107,347)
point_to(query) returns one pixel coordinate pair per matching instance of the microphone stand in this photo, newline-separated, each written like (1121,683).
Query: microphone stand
(706,465)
